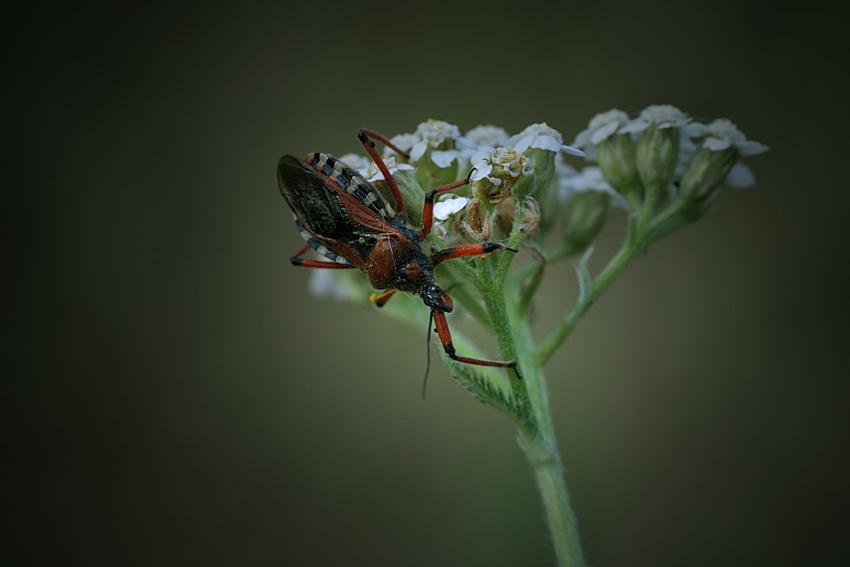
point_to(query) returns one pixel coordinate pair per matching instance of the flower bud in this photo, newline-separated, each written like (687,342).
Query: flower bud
(657,156)
(706,171)
(538,144)
(717,161)
(584,217)
(617,156)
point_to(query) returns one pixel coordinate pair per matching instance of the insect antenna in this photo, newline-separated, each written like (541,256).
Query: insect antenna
(428,351)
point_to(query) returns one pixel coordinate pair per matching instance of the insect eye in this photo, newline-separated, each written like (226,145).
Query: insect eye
(412,271)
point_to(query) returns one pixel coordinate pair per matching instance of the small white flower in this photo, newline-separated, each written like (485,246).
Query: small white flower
(481,162)
(357,162)
(600,127)
(432,133)
(444,158)
(509,160)
(659,116)
(537,136)
(485,137)
(444,208)
(722,134)
(374,174)
(404,142)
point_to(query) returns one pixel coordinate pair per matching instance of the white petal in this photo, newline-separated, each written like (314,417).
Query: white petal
(546,143)
(740,177)
(604,132)
(572,151)
(694,129)
(465,143)
(482,166)
(481,172)
(716,144)
(634,126)
(444,158)
(418,150)
(522,144)
(752,148)
(582,139)
(447,207)
(487,136)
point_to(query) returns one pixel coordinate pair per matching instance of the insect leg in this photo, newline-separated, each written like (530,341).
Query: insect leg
(296,261)
(467,250)
(363,136)
(446,338)
(386,142)
(381,299)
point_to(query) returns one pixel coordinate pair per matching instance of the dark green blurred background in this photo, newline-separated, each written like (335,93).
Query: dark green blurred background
(177,397)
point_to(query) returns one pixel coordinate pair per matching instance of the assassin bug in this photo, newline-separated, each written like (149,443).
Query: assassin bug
(344,219)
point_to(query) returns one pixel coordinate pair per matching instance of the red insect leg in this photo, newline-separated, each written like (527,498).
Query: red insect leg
(363,136)
(467,250)
(386,142)
(446,338)
(327,264)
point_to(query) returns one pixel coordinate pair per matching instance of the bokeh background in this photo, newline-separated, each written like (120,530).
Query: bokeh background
(177,397)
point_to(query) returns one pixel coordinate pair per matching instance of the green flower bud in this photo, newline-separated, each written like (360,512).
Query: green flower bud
(617,156)
(657,156)
(584,217)
(706,171)
(538,144)
(542,162)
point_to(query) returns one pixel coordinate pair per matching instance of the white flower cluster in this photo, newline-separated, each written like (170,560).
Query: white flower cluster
(718,135)
(509,160)
(482,147)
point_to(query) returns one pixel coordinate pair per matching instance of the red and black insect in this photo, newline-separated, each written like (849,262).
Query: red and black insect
(344,219)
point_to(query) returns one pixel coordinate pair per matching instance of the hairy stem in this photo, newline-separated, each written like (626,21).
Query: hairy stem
(545,463)
(541,447)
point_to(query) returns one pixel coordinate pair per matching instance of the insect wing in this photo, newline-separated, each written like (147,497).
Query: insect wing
(313,201)
(332,220)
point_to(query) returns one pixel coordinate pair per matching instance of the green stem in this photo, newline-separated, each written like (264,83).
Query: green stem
(541,447)
(612,271)
(492,291)
(546,465)
(639,240)
(462,294)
